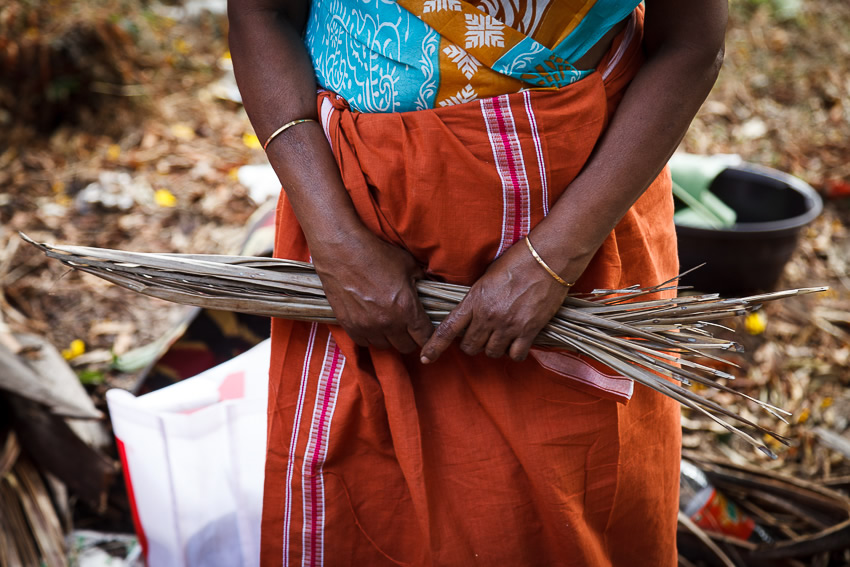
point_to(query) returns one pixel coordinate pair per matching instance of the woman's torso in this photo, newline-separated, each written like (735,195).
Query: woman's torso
(398,56)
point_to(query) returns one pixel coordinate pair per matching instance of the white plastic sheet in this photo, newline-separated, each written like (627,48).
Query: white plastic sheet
(193,456)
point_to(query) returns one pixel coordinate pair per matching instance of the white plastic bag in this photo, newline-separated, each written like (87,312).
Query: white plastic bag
(193,456)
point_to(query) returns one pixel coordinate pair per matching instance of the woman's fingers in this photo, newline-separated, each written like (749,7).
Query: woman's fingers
(404,325)
(443,335)
(499,343)
(420,327)
(393,329)
(372,290)
(414,328)
(377,304)
(503,311)
(380,342)
(520,347)
(476,336)
(494,334)
(402,341)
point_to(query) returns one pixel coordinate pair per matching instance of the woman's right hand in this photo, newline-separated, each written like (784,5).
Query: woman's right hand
(371,286)
(369,283)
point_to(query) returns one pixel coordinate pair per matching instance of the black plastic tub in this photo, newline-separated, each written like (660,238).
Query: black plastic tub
(772,208)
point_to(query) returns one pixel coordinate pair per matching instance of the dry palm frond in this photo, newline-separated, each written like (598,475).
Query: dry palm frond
(648,341)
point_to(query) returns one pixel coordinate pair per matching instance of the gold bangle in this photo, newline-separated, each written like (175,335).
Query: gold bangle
(280,130)
(546,267)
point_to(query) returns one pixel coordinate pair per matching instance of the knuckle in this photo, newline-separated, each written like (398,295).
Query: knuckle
(382,320)
(408,301)
(406,348)
(530,333)
(495,348)
(356,326)
(354,331)
(486,313)
(444,332)
(414,319)
(421,327)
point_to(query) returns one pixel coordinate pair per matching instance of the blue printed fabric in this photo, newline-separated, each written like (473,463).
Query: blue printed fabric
(375,54)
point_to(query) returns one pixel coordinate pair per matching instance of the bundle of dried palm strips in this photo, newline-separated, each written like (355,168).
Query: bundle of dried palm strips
(653,342)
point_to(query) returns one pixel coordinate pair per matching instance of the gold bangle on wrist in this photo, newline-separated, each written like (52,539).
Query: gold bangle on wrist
(546,267)
(280,130)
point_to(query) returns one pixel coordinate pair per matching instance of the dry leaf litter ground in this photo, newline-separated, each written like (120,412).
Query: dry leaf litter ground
(141,117)
(782,101)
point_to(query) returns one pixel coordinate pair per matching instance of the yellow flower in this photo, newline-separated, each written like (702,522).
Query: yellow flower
(251,141)
(772,442)
(756,322)
(62,198)
(164,198)
(182,131)
(181,47)
(75,349)
(804,416)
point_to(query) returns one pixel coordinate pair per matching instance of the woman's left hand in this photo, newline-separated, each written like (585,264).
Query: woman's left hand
(504,310)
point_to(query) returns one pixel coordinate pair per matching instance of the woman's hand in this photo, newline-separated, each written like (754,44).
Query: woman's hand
(371,286)
(512,302)
(504,310)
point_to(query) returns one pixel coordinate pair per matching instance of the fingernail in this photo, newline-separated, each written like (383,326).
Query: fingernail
(424,360)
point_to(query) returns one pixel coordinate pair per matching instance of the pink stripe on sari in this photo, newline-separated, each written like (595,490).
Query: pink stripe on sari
(510,164)
(313,485)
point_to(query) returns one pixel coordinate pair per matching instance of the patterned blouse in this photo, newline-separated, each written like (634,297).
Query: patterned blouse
(403,55)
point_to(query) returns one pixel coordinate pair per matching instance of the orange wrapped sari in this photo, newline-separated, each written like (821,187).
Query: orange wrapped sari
(375,459)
